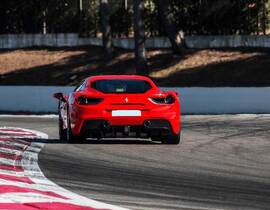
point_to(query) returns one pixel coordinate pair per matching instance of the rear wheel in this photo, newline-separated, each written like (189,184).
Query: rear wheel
(70,136)
(62,132)
(156,138)
(172,139)
(80,139)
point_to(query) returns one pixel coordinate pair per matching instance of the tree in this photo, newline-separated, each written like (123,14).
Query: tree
(167,20)
(106,29)
(139,36)
(120,21)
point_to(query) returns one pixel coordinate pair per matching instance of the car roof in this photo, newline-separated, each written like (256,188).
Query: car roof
(109,77)
(120,77)
(92,79)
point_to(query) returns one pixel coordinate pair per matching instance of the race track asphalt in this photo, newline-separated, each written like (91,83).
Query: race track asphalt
(223,162)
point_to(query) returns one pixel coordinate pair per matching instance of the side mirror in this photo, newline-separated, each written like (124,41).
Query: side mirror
(59,96)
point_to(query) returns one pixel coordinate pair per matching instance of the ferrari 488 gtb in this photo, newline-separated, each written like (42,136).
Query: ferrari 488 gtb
(119,106)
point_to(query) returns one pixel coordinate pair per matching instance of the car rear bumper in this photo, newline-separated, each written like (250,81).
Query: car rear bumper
(157,121)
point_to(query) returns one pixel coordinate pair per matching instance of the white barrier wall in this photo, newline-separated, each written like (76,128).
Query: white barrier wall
(14,41)
(38,99)
(32,99)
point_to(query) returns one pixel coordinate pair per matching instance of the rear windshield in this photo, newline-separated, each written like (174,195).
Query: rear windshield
(121,86)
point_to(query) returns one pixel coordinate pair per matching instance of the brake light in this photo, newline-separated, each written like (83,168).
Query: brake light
(82,100)
(164,100)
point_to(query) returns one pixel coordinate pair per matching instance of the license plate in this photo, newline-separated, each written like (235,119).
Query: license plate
(126,113)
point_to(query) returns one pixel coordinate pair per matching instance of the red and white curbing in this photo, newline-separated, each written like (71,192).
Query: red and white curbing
(22,183)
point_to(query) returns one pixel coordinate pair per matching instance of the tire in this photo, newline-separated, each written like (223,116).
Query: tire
(80,139)
(156,138)
(70,136)
(172,139)
(62,132)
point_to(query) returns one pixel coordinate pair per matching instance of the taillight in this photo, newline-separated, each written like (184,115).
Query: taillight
(82,100)
(164,100)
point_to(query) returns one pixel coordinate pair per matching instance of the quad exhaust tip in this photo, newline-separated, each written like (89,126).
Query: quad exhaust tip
(106,125)
(147,123)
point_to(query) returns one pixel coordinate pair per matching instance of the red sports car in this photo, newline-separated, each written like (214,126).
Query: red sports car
(119,106)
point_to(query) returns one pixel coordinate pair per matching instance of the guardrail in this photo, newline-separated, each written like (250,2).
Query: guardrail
(38,99)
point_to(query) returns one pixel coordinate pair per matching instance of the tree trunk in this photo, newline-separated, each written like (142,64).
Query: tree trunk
(167,21)
(44,24)
(139,36)
(106,29)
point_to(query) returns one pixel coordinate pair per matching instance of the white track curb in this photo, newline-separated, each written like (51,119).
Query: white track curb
(32,171)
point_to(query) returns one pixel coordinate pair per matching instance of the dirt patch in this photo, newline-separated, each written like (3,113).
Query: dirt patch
(194,68)
(12,61)
(203,58)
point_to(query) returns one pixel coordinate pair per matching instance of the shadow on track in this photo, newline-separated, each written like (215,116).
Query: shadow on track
(91,141)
